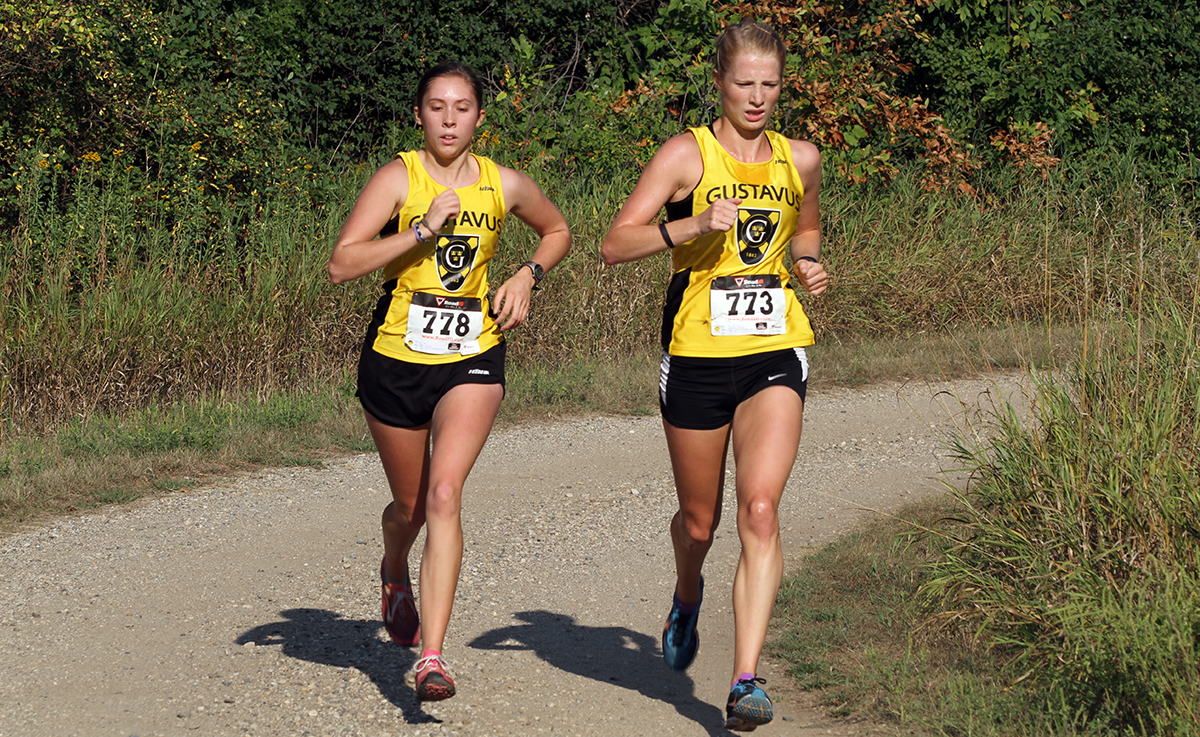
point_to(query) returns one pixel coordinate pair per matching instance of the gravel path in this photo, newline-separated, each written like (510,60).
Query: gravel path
(252,607)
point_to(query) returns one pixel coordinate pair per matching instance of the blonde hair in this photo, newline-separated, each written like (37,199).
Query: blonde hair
(748,37)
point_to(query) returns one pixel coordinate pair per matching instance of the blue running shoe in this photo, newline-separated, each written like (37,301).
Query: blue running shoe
(680,640)
(748,707)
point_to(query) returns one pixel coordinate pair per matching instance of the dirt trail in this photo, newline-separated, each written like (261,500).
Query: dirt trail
(252,607)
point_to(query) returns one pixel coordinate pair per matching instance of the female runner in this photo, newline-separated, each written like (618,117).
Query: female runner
(431,375)
(734,367)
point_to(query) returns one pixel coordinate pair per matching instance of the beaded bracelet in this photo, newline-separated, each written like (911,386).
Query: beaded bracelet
(417,230)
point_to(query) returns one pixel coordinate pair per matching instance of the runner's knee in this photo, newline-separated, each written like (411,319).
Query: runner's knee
(698,526)
(759,518)
(444,499)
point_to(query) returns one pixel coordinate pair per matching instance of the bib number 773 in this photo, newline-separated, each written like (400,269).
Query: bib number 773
(748,305)
(441,325)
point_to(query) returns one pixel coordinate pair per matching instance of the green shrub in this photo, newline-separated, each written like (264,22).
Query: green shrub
(1120,75)
(1079,556)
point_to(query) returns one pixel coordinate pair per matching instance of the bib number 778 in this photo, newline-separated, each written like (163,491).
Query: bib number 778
(461,323)
(748,305)
(441,325)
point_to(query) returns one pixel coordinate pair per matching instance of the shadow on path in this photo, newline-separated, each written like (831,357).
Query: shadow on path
(321,636)
(614,655)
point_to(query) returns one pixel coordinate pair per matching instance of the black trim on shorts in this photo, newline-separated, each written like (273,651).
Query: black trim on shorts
(703,393)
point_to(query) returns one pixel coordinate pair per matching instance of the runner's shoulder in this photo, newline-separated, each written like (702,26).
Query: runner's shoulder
(679,159)
(805,154)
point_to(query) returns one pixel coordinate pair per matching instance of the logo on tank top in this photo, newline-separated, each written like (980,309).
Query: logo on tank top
(755,230)
(455,255)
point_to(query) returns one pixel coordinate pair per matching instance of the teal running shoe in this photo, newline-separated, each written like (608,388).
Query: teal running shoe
(748,707)
(680,640)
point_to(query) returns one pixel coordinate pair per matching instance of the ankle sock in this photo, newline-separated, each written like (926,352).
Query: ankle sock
(744,677)
(429,653)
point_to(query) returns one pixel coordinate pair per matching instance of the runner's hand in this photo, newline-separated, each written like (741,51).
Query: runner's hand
(511,304)
(442,208)
(812,276)
(720,215)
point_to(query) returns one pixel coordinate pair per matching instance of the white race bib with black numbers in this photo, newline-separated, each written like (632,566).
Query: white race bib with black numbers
(443,325)
(748,305)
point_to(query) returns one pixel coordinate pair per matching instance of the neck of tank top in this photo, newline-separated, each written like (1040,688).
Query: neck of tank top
(760,156)
(463,170)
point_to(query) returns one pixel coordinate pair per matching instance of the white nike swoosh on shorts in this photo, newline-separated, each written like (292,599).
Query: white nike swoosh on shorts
(776,376)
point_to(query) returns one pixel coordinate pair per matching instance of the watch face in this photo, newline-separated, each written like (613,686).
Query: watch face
(538,271)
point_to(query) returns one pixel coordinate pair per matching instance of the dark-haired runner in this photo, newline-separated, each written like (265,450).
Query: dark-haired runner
(734,369)
(431,375)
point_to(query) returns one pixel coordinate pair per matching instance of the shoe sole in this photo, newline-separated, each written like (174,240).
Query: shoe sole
(401,641)
(691,656)
(750,713)
(734,724)
(431,690)
(737,725)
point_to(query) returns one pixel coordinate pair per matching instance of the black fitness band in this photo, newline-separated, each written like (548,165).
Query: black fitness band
(662,228)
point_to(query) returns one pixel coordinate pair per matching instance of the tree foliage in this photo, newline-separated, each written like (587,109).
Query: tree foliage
(1109,74)
(842,69)
(236,99)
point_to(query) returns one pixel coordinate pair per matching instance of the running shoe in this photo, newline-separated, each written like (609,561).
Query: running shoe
(748,707)
(400,617)
(680,640)
(433,682)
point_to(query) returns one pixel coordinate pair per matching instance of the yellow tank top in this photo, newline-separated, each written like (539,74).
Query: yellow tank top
(729,295)
(436,308)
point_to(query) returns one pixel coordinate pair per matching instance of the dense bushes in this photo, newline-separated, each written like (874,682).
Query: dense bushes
(1078,557)
(1118,75)
(221,96)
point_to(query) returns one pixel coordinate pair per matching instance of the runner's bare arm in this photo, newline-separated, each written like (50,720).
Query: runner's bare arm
(527,201)
(806,243)
(358,250)
(674,171)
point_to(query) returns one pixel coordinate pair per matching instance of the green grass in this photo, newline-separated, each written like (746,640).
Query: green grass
(117,457)
(1059,592)
(111,306)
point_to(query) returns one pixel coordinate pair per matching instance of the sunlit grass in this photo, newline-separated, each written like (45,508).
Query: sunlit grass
(109,306)
(1058,593)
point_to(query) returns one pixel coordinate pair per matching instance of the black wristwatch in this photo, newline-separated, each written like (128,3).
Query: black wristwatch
(538,272)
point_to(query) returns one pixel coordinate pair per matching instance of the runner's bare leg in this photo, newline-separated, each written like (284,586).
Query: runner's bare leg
(460,427)
(698,462)
(766,437)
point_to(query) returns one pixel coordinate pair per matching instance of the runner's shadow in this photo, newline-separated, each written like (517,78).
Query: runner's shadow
(615,655)
(321,636)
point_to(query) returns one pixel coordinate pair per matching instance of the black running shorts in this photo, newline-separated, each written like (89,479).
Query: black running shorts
(404,394)
(703,393)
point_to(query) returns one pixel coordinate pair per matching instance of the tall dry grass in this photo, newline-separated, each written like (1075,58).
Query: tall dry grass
(1078,554)
(115,302)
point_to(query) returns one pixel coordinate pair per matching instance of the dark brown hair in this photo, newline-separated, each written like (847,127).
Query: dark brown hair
(450,69)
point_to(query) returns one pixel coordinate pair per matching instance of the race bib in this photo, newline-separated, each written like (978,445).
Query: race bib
(748,305)
(442,325)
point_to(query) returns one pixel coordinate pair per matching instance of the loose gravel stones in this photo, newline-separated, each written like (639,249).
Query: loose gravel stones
(252,607)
